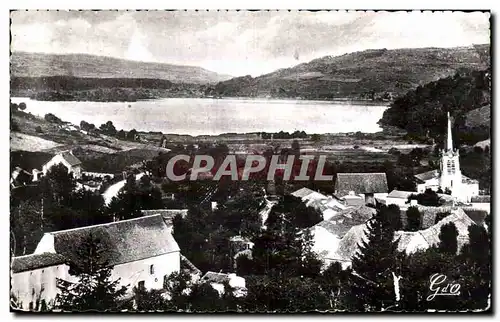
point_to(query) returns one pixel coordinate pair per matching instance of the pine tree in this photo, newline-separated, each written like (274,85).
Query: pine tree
(475,271)
(413,218)
(448,239)
(372,285)
(94,289)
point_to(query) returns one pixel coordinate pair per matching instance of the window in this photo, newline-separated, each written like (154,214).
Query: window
(165,281)
(141,285)
(151,269)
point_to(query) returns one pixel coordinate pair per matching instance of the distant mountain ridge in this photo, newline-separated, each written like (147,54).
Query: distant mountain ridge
(24,64)
(364,74)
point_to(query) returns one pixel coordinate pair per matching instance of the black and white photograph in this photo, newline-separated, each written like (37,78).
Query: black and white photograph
(250,161)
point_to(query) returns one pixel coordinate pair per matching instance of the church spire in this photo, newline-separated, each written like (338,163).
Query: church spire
(449,139)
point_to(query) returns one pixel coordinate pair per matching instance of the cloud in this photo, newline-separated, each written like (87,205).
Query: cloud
(240,43)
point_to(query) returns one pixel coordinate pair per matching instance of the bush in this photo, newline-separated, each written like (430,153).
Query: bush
(52,118)
(14,126)
(38,129)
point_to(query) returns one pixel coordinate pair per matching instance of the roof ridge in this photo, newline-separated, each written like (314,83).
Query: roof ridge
(100,225)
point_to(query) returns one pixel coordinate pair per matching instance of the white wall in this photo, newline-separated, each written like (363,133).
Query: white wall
(27,286)
(130,274)
(134,272)
(77,170)
(396,201)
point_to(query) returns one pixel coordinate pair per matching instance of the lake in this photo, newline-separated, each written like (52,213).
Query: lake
(197,116)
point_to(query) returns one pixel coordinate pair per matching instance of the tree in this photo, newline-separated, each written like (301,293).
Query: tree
(57,185)
(296,148)
(413,219)
(89,262)
(476,269)
(448,238)
(26,225)
(51,118)
(131,134)
(372,285)
(429,198)
(393,214)
(134,197)
(108,128)
(440,216)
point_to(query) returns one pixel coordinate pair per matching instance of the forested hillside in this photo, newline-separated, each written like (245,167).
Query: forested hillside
(422,112)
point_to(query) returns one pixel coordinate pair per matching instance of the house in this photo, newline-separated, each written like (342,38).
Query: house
(481,202)
(399,198)
(142,252)
(365,184)
(449,176)
(329,206)
(353,200)
(20,177)
(409,242)
(328,234)
(66,158)
(167,214)
(217,281)
(412,242)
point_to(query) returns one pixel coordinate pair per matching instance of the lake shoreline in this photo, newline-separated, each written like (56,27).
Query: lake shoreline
(204,117)
(340,100)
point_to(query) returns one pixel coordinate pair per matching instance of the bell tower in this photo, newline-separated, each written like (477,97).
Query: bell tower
(451,176)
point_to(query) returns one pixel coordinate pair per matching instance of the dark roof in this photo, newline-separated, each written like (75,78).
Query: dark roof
(167,214)
(35,261)
(70,158)
(29,160)
(360,183)
(130,240)
(427,175)
(481,199)
(476,215)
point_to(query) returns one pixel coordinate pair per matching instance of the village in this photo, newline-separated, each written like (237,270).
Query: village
(147,253)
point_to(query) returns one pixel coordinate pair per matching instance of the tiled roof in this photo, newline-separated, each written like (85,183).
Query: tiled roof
(481,199)
(70,158)
(349,244)
(214,277)
(130,240)
(35,261)
(468,180)
(167,214)
(462,223)
(301,193)
(400,194)
(360,183)
(476,215)
(346,219)
(427,175)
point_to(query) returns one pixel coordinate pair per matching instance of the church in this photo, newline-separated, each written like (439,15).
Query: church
(449,177)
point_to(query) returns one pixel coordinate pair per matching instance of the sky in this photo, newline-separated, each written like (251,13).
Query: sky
(240,43)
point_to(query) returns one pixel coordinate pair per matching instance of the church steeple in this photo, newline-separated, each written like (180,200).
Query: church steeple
(449,138)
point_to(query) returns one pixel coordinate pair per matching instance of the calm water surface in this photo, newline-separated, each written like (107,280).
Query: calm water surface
(196,116)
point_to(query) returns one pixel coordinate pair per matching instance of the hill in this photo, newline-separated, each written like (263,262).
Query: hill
(369,74)
(479,117)
(422,112)
(89,66)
